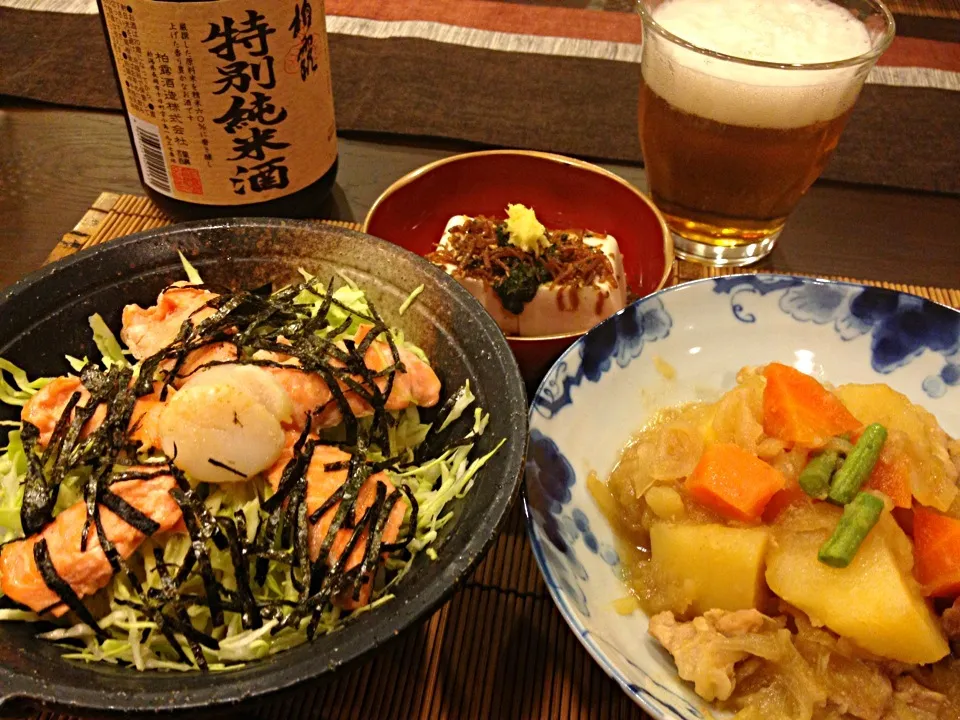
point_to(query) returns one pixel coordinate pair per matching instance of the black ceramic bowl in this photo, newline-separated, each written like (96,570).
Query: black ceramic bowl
(45,316)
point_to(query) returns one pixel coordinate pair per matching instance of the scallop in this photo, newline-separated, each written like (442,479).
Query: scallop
(218,433)
(255,381)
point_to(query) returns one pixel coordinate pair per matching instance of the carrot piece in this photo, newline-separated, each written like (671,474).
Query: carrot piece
(891,476)
(799,410)
(733,482)
(936,550)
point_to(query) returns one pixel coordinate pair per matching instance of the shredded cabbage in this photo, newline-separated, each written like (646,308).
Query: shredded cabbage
(405,305)
(13,468)
(464,401)
(25,388)
(77,364)
(107,342)
(193,276)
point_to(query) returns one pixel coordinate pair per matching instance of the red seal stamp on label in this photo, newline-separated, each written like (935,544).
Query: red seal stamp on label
(186,179)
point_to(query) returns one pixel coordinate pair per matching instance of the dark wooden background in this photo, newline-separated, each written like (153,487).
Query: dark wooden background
(55,161)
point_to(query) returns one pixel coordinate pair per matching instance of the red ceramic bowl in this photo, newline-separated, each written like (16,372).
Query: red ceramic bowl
(565,193)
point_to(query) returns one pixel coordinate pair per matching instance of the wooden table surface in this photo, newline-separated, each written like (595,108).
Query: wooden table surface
(54,162)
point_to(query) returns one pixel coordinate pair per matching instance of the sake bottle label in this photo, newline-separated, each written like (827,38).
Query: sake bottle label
(230,101)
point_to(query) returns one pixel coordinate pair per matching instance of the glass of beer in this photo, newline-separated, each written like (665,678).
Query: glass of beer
(741,105)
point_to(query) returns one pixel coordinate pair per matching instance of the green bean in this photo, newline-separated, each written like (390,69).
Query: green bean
(855,470)
(858,519)
(815,478)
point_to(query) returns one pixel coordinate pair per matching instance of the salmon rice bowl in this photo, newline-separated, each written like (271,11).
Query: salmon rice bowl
(237,474)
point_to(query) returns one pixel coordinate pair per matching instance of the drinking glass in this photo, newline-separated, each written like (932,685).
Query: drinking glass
(730,143)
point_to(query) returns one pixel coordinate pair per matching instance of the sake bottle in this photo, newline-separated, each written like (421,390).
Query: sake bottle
(229,103)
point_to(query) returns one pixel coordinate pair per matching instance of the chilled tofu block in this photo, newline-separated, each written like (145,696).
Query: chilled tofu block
(506,320)
(558,310)
(555,309)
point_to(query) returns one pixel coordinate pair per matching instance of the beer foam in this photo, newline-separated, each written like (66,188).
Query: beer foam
(778,31)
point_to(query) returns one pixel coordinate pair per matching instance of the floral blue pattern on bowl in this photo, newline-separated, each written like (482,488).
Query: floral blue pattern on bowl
(901,327)
(607,386)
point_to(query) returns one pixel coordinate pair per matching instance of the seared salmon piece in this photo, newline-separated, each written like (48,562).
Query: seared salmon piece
(46,407)
(307,391)
(221,352)
(146,331)
(321,484)
(89,571)
(145,422)
(419,385)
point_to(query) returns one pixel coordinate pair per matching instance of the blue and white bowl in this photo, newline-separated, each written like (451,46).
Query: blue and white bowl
(607,386)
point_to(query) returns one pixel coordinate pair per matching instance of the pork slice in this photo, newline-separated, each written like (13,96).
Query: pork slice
(701,647)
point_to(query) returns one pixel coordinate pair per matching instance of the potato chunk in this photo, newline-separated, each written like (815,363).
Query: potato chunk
(722,567)
(875,602)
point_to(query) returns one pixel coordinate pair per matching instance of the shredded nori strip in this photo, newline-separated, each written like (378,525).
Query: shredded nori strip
(299,537)
(91,496)
(101,448)
(194,638)
(189,562)
(67,455)
(129,514)
(224,466)
(326,302)
(333,582)
(39,498)
(380,511)
(349,419)
(241,521)
(294,473)
(140,474)
(378,329)
(54,447)
(106,544)
(235,532)
(295,469)
(61,588)
(356,477)
(201,554)
(337,580)
(335,497)
(165,624)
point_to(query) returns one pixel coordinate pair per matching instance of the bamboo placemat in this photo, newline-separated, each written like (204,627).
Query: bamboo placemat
(498,649)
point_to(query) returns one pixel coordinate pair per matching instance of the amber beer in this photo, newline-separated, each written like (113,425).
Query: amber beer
(729,185)
(731,143)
